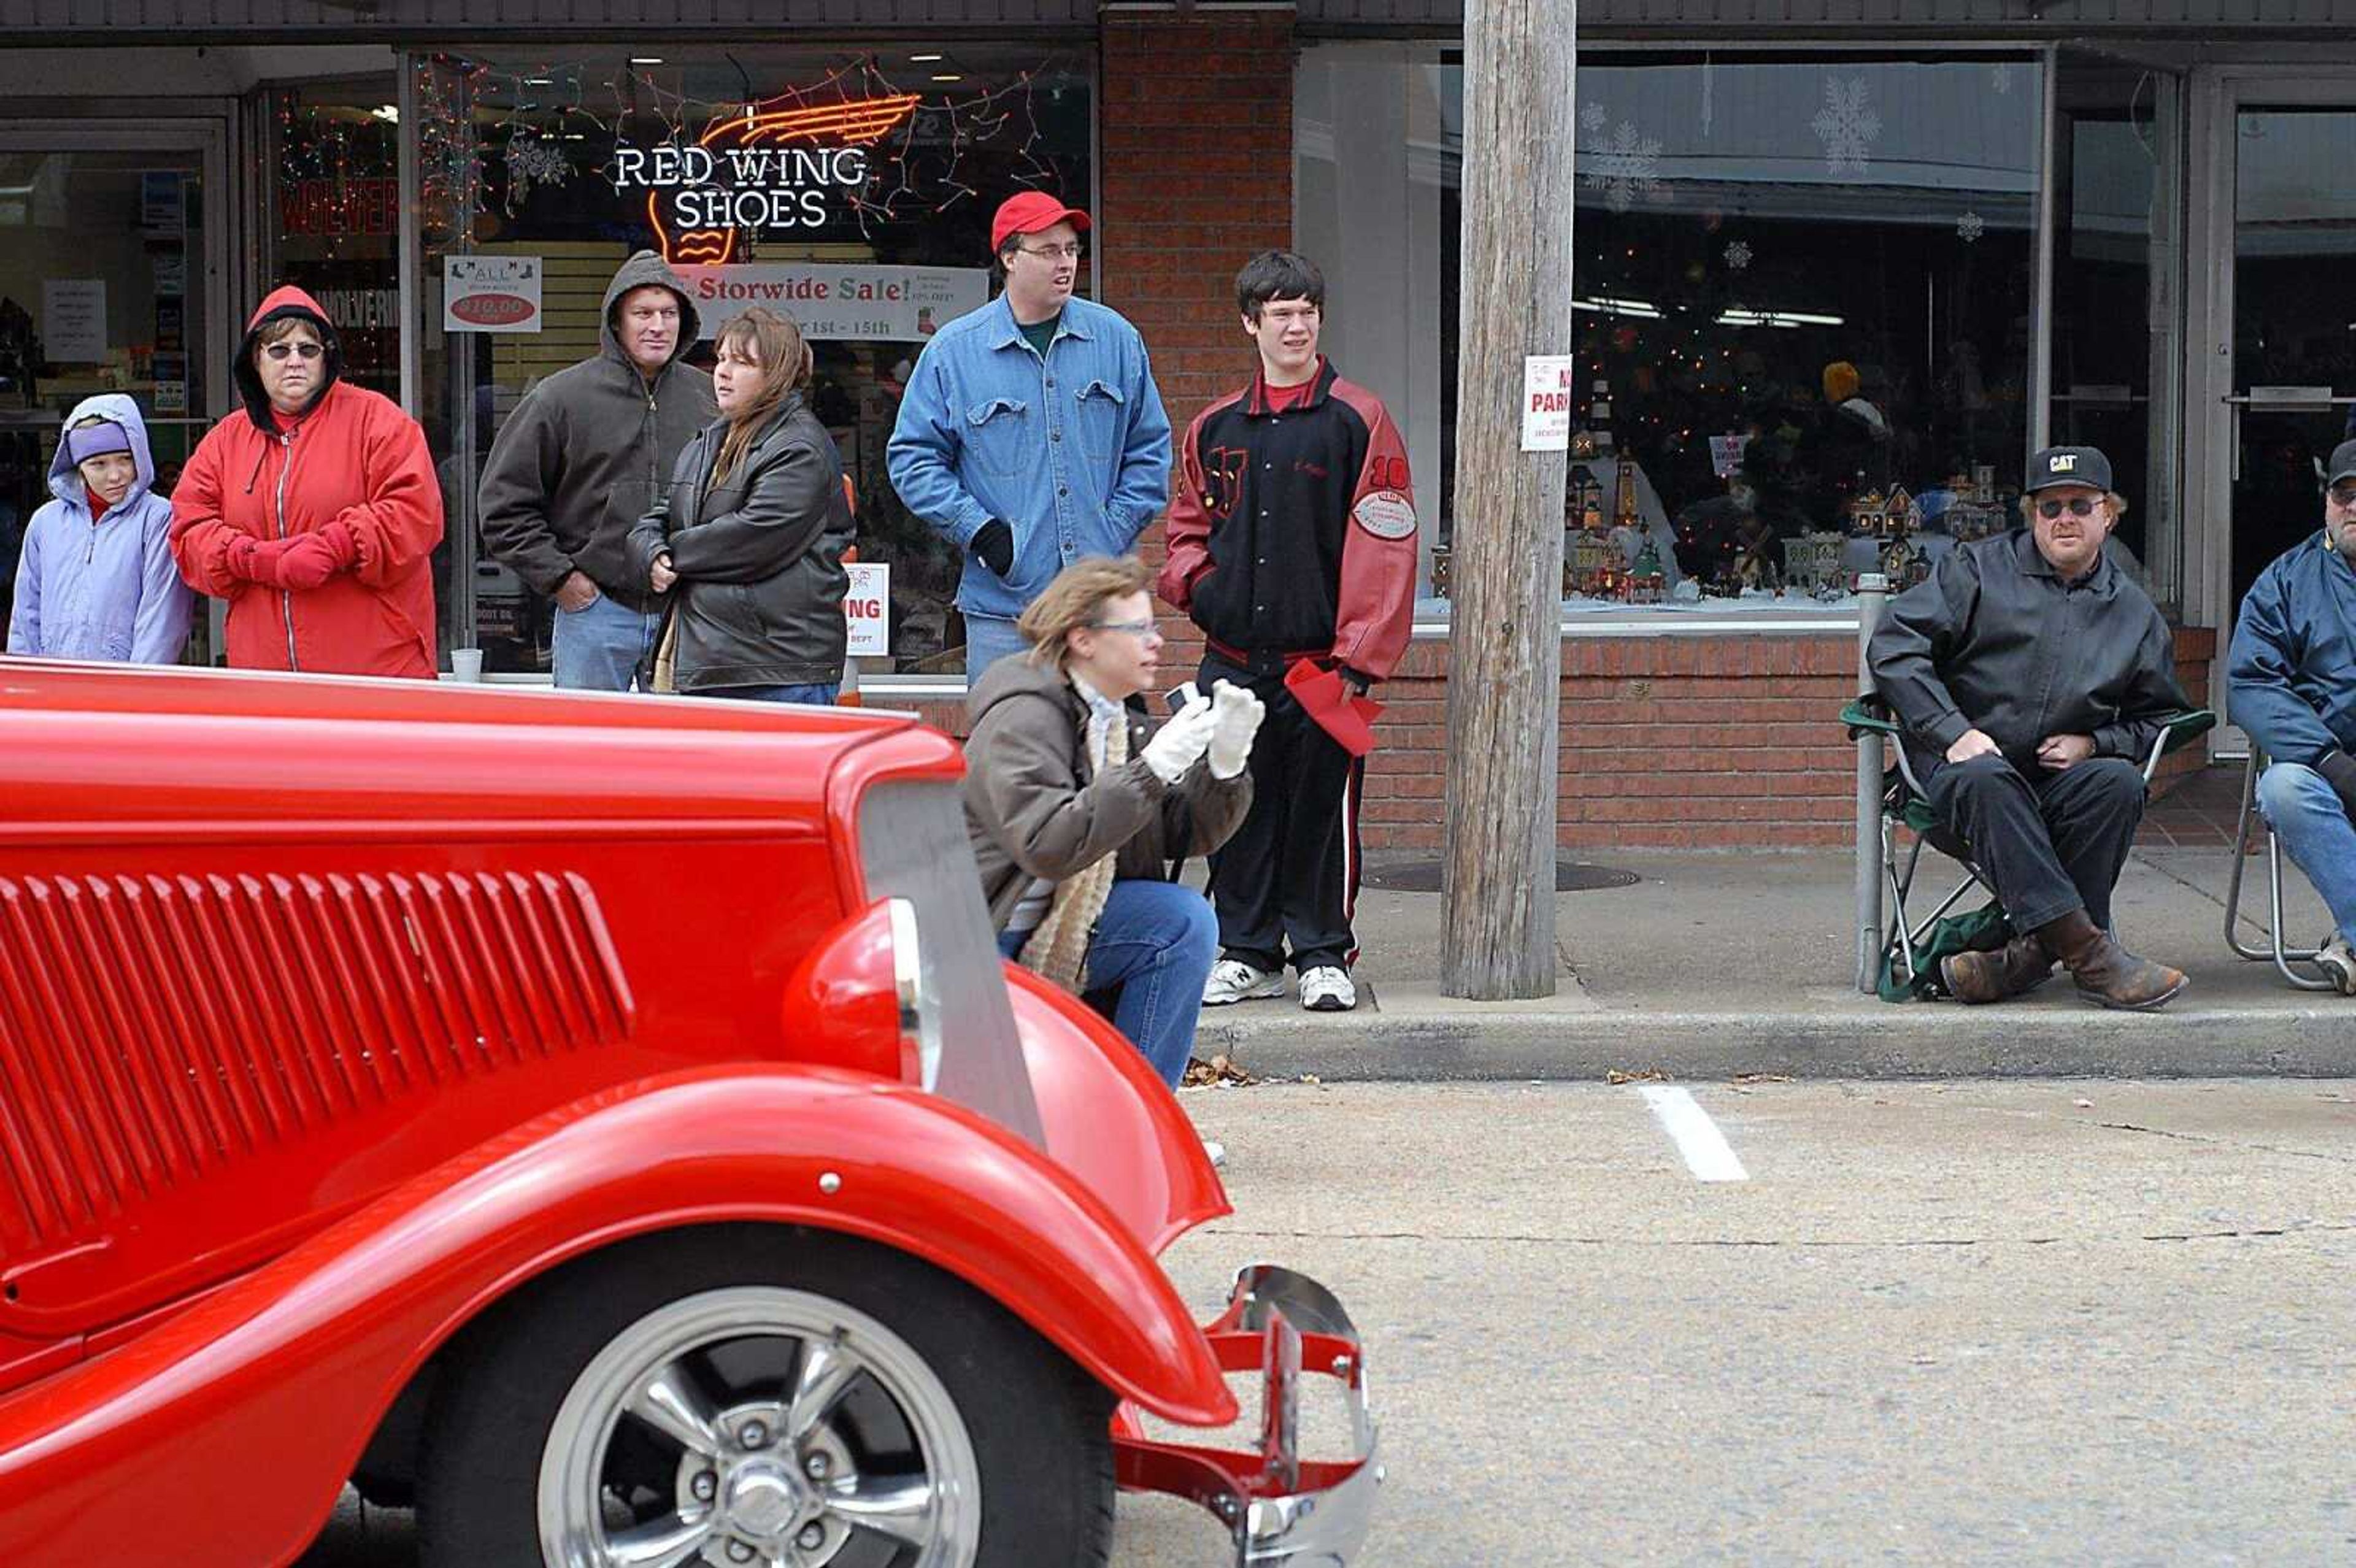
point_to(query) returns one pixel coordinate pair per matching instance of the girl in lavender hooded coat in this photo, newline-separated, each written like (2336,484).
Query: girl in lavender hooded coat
(97,579)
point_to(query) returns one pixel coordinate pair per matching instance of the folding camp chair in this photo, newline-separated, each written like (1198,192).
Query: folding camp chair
(2284,958)
(1904,804)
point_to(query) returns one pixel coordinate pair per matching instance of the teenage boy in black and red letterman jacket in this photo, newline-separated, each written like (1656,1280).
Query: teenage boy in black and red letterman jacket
(1292,535)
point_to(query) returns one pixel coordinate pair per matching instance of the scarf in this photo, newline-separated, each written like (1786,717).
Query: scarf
(1057,951)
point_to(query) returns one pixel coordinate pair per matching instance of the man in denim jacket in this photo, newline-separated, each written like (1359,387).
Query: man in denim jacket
(1031,433)
(2291,679)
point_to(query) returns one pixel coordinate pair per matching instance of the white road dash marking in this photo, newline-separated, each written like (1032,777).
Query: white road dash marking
(1705,1148)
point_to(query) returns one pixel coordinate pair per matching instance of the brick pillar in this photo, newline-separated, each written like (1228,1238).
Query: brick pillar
(1195,165)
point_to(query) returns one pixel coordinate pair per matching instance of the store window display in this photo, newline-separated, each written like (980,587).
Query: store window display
(1802,305)
(852,192)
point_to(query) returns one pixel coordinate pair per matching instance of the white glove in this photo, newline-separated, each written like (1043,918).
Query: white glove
(1180,744)
(1236,714)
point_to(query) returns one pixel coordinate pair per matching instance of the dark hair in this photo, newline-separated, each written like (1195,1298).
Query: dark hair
(1277,275)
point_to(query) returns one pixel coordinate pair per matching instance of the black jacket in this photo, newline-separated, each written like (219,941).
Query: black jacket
(1295,533)
(1994,641)
(588,452)
(759,557)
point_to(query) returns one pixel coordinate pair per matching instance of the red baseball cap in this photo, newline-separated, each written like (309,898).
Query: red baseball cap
(1029,212)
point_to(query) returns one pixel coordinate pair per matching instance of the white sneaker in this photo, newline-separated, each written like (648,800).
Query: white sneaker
(2338,961)
(1233,980)
(1327,989)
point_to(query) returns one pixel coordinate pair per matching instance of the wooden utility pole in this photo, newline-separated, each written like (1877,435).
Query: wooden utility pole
(1505,644)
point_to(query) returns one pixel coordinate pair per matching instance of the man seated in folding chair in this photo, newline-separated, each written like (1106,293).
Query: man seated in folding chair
(2030,676)
(2292,680)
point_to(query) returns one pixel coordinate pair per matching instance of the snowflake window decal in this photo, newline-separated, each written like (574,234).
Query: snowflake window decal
(533,160)
(1738,256)
(1970,226)
(1592,117)
(1624,168)
(1847,125)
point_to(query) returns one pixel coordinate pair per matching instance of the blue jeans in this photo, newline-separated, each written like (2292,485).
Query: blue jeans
(988,639)
(2310,817)
(1155,940)
(819,694)
(604,646)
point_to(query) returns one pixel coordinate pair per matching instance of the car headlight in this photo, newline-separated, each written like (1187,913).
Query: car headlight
(860,998)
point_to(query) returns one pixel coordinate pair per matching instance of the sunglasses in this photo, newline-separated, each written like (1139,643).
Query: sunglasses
(2077,507)
(282,351)
(2343,496)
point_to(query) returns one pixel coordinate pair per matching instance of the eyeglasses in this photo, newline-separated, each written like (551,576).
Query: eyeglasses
(1071,253)
(1134,628)
(307,350)
(2077,507)
(2343,496)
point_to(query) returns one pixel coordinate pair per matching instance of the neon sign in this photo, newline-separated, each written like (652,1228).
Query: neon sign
(768,167)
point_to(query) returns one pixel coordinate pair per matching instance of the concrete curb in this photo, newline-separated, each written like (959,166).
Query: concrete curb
(1928,1041)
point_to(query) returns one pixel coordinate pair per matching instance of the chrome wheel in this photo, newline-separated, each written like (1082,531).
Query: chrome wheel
(758,1427)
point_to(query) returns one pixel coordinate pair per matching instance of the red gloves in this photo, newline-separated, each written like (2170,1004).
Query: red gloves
(298,564)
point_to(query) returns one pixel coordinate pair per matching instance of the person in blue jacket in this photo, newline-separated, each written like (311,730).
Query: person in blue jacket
(96,580)
(2291,683)
(1031,434)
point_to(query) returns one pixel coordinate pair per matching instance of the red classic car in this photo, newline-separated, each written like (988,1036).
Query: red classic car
(604,1121)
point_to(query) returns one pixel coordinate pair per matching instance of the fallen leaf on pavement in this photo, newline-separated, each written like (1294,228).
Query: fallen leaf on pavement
(1220,1070)
(1649,1075)
(1762,1078)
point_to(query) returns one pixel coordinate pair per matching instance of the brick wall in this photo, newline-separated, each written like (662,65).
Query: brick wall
(1667,743)
(1196,160)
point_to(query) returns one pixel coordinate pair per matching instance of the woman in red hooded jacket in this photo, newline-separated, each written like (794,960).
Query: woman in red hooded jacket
(314,512)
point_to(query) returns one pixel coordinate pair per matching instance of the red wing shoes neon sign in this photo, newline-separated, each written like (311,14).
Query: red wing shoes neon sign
(770,167)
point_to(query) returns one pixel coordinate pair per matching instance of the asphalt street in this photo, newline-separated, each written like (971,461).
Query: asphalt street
(2069,1321)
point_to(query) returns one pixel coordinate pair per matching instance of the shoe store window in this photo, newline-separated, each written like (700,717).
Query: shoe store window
(1805,293)
(851,190)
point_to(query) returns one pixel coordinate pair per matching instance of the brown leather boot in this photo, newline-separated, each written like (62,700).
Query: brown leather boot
(2109,976)
(2014,969)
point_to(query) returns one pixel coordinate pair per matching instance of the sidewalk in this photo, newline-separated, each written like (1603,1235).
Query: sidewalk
(1715,963)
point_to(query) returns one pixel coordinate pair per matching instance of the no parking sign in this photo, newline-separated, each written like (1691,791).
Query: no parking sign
(867,608)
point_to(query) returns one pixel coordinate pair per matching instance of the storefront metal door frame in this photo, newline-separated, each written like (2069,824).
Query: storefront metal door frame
(2215,100)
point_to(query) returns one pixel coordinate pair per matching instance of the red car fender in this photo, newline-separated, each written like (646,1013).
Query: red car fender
(240,1419)
(1110,1118)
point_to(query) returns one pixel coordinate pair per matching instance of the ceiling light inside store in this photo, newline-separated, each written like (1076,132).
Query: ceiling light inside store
(1604,305)
(1739,317)
(923,60)
(949,77)
(389,113)
(645,60)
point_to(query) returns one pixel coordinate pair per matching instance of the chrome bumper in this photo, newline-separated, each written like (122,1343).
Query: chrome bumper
(1284,1512)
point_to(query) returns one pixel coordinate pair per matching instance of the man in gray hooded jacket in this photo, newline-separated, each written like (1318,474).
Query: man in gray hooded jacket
(587,453)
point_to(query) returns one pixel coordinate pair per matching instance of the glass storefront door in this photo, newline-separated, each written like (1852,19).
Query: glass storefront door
(2273,360)
(2294,341)
(112,267)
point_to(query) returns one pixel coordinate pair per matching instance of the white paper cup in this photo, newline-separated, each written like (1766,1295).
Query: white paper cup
(466,664)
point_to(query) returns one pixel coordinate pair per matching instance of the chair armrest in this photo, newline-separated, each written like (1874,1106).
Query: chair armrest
(2177,730)
(1869,716)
